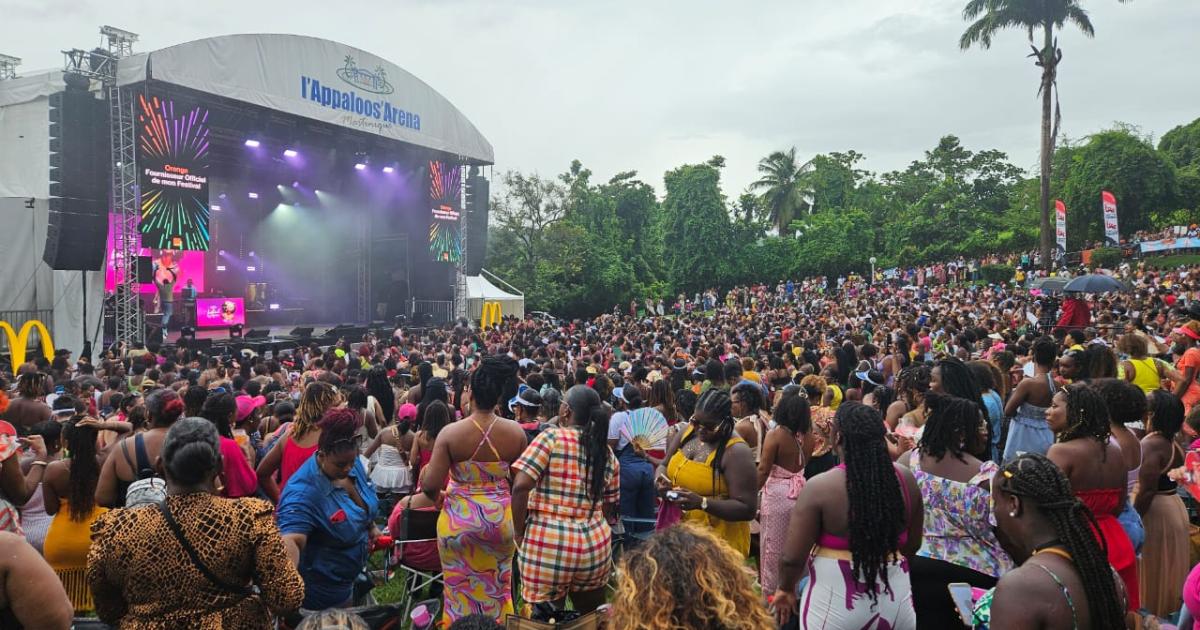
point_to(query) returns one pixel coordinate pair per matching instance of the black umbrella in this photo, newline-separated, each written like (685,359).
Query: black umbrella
(1095,283)
(1049,285)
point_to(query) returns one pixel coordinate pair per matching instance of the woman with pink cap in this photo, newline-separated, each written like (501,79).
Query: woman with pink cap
(1188,366)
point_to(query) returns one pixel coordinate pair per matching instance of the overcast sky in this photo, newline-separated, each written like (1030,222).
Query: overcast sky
(650,85)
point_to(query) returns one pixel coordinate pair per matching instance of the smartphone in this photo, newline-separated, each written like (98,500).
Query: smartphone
(960,592)
(672,495)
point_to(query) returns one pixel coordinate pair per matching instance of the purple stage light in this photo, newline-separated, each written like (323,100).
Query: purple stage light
(215,208)
(290,153)
(221,252)
(220,267)
(273,307)
(253,195)
(295,184)
(251,268)
(360,166)
(388,169)
(252,254)
(253,144)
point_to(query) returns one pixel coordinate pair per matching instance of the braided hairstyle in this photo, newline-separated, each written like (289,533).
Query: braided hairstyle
(1126,402)
(878,513)
(715,402)
(494,380)
(957,380)
(914,379)
(1087,415)
(1038,480)
(951,423)
(591,415)
(318,397)
(85,470)
(218,408)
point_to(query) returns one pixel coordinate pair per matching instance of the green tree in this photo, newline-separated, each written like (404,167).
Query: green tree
(1125,164)
(696,228)
(783,186)
(989,17)
(1182,145)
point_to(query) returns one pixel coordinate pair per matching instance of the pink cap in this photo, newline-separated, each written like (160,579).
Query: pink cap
(407,411)
(247,404)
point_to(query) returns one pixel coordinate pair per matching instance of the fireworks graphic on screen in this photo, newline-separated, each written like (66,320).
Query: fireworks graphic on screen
(445,192)
(173,163)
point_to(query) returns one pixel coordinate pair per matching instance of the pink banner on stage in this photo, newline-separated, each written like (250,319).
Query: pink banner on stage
(1112,235)
(220,312)
(188,264)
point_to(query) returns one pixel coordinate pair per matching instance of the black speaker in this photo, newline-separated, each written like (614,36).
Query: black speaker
(302,332)
(258,333)
(79,181)
(477,191)
(76,233)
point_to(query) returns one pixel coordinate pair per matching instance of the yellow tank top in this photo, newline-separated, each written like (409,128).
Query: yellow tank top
(698,478)
(837,397)
(1145,374)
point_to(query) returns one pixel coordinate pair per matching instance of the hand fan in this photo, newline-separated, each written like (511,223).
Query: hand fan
(647,429)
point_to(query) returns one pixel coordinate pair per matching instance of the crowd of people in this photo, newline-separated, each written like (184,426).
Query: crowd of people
(914,451)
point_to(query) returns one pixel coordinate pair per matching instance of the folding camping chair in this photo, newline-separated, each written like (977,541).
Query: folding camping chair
(416,527)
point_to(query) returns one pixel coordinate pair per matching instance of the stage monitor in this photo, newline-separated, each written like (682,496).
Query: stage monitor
(445,225)
(220,312)
(173,165)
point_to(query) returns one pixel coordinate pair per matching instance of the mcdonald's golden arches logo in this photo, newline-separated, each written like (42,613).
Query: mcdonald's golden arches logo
(19,341)
(492,314)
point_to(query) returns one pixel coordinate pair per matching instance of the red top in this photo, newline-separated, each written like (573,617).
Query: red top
(1103,502)
(240,480)
(293,458)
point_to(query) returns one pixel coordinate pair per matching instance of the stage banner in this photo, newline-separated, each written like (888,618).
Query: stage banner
(321,80)
(1112,235)
(173,161)
(1060,227)
(445,222)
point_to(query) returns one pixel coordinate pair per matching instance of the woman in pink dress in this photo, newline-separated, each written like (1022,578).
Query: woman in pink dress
(780,478)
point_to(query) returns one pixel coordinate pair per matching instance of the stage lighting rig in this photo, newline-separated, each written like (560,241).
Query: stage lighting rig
(120,42)
(8,66)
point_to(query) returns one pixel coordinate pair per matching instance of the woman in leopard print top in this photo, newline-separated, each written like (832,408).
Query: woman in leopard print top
(141,576)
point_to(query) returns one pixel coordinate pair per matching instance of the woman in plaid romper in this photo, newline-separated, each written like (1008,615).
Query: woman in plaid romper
(566,489)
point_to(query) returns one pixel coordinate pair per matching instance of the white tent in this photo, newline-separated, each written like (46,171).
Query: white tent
(480,290)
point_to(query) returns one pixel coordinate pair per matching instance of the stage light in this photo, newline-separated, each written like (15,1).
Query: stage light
(253,195)
(220,267)
(253,144)
(221,252)
(360,166)
(235,331)
(251,268)
(273,307)
(215,207)
(222,196)
(290,153)
(252,254)
(388,169)
(295,184)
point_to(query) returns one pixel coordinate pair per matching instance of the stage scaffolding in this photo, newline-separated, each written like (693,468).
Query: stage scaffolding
(101,65)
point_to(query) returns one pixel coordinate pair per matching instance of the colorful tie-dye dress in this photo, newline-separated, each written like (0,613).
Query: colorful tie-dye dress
(475,541)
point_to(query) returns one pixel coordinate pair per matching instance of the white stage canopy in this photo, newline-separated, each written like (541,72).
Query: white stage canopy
(480,290)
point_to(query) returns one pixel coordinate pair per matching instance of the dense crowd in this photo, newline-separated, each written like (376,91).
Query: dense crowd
(904,451)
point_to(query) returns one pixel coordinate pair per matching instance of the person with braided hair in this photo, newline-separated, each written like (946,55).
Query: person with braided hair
(476,538)
(959,543)
(850,530)
(1092,461)
(1064,581)
(709,472)
(565,492)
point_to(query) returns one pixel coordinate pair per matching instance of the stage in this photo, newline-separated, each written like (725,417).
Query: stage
(281,178)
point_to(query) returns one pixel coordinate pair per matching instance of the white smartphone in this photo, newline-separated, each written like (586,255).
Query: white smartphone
(960,592)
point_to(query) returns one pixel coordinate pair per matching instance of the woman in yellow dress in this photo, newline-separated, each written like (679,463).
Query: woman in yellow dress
(70,495)
(709,473)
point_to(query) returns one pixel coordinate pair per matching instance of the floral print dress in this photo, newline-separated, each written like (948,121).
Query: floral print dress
(958,521)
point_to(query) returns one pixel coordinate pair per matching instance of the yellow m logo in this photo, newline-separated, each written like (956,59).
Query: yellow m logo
(492,314)
(18,342)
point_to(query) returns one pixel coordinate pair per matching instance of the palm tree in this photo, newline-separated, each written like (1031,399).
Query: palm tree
(989,17)
(784,186)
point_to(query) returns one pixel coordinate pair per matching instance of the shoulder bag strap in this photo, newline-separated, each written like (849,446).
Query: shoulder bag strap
(241,591)
(143,458)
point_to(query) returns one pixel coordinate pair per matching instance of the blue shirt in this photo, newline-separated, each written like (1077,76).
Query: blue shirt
(337,529)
